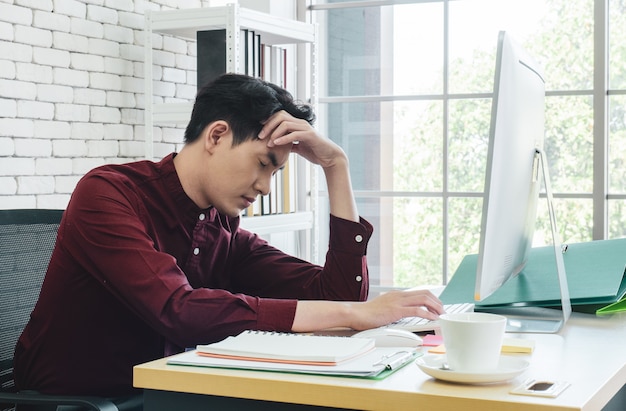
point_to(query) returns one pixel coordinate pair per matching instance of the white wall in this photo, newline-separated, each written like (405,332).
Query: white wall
(71,90)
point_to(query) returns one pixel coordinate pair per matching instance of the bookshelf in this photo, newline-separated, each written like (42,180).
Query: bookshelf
(273,31)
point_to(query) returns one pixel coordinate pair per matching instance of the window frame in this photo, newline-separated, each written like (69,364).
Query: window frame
(600,196)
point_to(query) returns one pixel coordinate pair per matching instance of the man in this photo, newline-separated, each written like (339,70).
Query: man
(150,258)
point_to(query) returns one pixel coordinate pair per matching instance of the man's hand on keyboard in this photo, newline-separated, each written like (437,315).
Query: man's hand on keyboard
(393,305)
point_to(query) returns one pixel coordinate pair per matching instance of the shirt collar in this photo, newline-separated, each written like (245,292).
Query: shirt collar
(172,183)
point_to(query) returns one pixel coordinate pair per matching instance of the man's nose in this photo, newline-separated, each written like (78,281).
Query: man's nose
(263,185)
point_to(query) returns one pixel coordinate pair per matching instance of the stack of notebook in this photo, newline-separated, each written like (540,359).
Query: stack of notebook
(595,277)
(299,353)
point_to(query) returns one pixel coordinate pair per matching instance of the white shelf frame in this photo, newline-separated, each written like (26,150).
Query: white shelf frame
(185,23)
(278,223)
(274,30)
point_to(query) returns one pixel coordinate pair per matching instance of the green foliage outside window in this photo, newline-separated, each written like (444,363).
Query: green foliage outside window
(564,46)
(431,151)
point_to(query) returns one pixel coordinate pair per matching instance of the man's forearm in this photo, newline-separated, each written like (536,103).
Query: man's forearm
(320,315)
(341,197)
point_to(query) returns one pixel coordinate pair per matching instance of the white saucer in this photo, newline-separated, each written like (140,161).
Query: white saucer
(508,367)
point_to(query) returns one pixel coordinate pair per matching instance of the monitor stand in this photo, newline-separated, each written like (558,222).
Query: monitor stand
(523,319)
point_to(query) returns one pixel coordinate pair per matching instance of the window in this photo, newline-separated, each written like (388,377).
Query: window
(405,89)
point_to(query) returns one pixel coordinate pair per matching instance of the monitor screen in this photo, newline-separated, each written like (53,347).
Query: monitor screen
(512,178)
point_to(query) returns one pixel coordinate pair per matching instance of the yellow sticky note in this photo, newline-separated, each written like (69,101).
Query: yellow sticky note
(440,349)
(509,345)
(518,345)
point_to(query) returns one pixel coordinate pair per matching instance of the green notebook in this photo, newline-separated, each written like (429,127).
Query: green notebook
(613,308)
(595,275)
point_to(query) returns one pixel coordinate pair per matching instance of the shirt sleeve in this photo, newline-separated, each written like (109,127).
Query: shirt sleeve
(265,271)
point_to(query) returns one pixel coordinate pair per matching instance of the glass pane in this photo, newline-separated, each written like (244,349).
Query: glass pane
(617,44)
(417,146)
(569,143)
(469,122)
(617,218)
(563,44)
(353,56)
(391,146)
(617,144)
(417,242)
(574,221)
(464,216)
(356,127)
(418,48)
(474,27)
(406,247)
(373,50)
(544,28)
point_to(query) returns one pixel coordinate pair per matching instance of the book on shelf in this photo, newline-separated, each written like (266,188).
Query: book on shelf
(278,197)
(289,185)
(211,48)
(273,195)
(211,55)
(268,62)
(256,58)
(287,348)
(277,66)
(284,68)
(256,52)
(266,205)
(248,62)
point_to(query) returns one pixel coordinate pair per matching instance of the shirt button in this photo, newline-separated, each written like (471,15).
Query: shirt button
(196,251)
(202,216)
(358,238)
(358,278)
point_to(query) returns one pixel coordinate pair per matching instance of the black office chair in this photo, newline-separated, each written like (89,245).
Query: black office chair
(27,239)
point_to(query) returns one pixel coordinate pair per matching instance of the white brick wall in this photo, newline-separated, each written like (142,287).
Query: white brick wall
(71,97)
(71,91)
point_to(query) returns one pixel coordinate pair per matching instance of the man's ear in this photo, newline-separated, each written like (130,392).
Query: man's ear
(215,134)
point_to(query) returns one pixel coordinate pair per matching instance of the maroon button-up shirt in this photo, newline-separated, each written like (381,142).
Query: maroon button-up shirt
(139,272)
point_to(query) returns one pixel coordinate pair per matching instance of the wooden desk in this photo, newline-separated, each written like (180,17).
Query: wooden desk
(590,353)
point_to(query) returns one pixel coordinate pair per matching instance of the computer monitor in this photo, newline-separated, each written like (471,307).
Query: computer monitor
(515,166)
(511,182)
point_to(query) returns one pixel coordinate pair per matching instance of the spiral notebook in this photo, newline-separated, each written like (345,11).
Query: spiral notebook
(375,364)
(287,348)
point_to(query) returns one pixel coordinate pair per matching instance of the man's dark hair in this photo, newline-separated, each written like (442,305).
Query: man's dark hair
(244,102)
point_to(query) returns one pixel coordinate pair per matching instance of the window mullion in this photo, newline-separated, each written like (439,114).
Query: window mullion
(600,121)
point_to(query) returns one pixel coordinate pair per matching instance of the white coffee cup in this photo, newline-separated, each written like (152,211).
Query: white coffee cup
(473,340)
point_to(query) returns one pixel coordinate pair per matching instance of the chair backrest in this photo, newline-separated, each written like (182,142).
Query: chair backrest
(27,238)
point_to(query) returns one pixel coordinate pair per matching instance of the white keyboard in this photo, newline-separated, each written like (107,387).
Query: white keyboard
(419,324)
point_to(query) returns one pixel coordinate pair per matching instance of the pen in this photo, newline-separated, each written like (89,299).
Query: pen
(393,361)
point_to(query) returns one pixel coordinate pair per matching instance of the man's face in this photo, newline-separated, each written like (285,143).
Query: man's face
(238,174)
